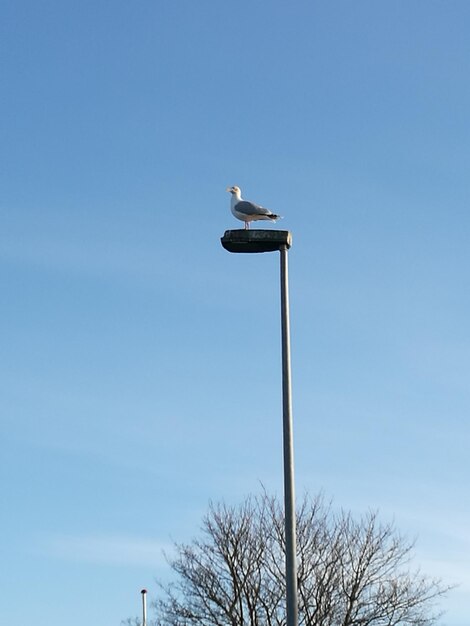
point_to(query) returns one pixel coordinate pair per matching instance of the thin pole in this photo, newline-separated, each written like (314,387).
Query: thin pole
(288,442)
(144,607)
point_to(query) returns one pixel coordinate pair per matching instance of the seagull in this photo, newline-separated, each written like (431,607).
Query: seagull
(248,211)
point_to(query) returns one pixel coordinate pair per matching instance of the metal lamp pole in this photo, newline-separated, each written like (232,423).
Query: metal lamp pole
(144,607)
(288,442)
(269,241)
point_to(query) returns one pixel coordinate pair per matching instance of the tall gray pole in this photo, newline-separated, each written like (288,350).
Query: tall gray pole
(270,241)
(144,607)
(288,439)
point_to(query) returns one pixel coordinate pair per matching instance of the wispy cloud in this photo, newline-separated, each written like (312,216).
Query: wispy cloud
(443,545)
(451,571)
(101,549)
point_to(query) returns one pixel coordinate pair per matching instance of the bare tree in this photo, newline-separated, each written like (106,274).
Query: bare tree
(350,572)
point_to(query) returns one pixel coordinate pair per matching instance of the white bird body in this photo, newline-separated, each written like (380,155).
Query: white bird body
(248,211)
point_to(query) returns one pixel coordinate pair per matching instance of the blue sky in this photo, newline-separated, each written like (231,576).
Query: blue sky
(140,369)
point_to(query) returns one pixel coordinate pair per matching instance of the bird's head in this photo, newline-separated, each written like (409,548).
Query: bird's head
(235,191)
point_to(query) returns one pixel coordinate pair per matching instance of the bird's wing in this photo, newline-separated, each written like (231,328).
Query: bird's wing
(250,208)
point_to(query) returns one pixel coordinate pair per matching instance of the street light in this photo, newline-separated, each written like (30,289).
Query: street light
(250,241)
(144,607)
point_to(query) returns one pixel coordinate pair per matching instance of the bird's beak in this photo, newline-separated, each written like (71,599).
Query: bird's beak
(229,189)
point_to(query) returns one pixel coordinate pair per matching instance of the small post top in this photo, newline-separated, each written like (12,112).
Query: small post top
(256,240)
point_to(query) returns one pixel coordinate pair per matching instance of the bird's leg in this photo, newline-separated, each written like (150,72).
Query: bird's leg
(247,225)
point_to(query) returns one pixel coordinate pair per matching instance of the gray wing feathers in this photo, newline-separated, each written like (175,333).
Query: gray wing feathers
(250,208)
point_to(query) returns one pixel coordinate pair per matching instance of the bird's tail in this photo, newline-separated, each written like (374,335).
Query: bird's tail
(274,217)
